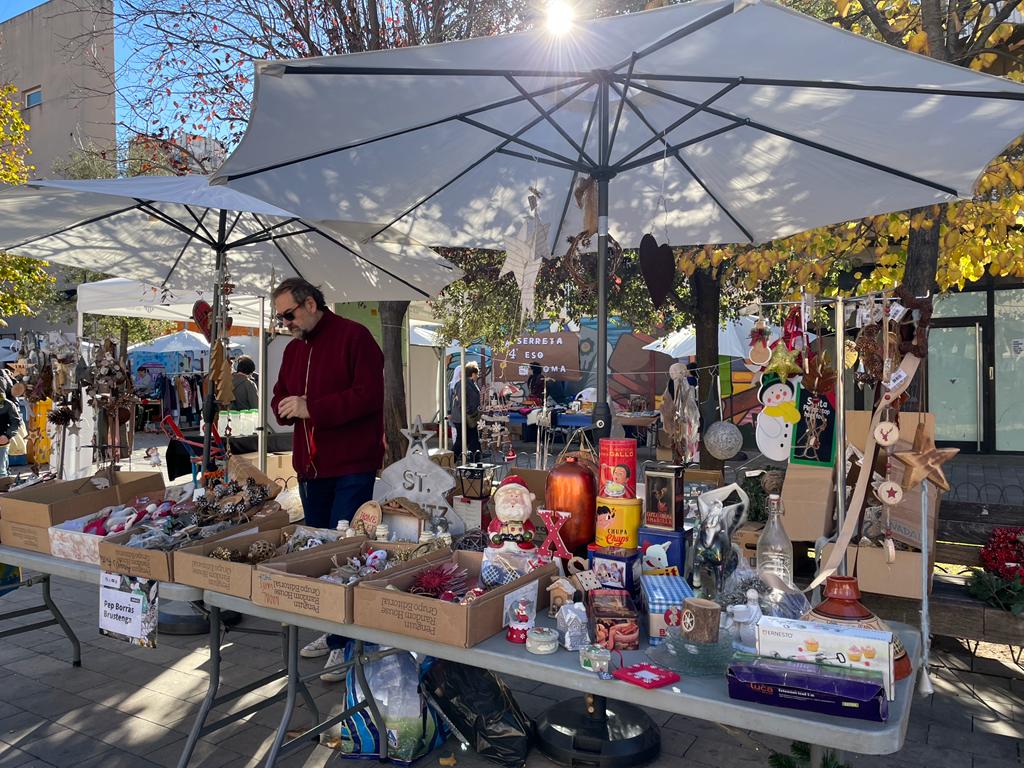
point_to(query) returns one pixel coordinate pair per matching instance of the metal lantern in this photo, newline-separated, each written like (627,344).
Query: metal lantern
(723,440)
(476,479)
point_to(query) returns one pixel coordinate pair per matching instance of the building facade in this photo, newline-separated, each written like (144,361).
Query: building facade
(60,56)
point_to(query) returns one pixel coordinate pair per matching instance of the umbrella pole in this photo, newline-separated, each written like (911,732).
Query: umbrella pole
(602,414)
(840,451)
(215,331)
(462,404)
(264,436)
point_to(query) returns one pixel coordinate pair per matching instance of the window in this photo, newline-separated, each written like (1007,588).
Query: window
(33,97)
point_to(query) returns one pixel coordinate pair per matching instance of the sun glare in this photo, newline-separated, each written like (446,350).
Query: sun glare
(560,16)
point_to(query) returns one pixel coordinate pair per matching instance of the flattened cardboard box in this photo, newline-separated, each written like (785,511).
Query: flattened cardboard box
(62,500)
(24,536)
(115,557)
(464,626)
(194,566)
(901,578)
(292,583)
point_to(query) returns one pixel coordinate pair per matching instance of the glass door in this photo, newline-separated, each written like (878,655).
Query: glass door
(1008,370)
(956,385)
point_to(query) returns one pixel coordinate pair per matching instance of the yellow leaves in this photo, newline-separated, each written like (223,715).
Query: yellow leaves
(918,43)
(843,6)
(13,168)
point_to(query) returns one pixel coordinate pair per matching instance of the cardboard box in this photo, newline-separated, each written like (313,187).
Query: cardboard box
(69,541)
(157,564)
(292,583)
(463,626)
(901,578)
(834,644)
(817,688)
(808,500)
(53,503)
(23,536)
(194,566)
(905,517)
(241,470)
(746,537)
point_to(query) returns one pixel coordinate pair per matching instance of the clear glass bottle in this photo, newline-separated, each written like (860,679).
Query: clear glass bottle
(774,549)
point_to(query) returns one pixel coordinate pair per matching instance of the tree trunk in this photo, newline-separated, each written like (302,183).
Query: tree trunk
(923,252)
(392,320)
(707,297)
(122,346)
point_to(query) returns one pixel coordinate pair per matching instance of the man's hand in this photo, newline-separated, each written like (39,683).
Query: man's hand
(293,407)
(4,439)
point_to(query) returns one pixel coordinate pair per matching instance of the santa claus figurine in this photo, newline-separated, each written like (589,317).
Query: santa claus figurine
(511,529)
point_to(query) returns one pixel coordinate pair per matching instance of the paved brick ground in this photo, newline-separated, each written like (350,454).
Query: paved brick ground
(132,707)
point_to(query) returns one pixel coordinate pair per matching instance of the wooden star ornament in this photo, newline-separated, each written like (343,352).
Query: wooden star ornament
(783,362)
(924,460)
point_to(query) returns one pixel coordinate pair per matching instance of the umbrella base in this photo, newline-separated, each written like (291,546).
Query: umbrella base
(592,731)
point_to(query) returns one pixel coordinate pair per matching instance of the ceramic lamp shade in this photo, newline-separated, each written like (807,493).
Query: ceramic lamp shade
(842,606)
(572,487)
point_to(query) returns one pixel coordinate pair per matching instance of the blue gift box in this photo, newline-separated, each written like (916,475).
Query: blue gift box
(663,553)
(663,602)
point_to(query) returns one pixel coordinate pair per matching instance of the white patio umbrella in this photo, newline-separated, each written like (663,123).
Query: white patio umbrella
(703,122)
(132,298)
(179,232)
(181,342)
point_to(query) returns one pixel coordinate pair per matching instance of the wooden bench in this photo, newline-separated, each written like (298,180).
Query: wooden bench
(963,528)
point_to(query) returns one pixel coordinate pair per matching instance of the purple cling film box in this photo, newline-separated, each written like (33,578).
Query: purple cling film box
(827,690)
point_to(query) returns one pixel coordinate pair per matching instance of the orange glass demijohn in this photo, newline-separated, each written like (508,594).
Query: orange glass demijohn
(571,487)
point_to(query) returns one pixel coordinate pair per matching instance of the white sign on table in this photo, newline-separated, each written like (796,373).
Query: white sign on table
(129,608)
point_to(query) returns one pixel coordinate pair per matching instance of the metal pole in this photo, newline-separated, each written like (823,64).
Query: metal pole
(926,544)
(602,414)
(462,404)
(840,451)
(263,434)
(442,433)
(215,330)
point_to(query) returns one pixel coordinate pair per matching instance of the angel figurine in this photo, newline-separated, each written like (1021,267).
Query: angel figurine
(681,415)
(715,555)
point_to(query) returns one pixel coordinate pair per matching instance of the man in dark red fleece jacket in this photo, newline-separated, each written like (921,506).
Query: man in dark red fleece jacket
(331,390)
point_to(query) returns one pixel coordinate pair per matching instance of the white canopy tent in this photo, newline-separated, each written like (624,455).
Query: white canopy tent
(181,342)
(733,339)
(132,298)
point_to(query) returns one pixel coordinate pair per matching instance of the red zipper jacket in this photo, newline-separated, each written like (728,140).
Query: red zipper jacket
(340,370)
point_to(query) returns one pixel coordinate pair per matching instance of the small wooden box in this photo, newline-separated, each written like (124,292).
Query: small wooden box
(664,499)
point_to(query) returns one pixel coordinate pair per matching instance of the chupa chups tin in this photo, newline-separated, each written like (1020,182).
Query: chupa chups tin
(617,468)
(618,522)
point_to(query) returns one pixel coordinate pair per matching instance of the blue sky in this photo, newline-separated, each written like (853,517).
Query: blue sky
(11,8)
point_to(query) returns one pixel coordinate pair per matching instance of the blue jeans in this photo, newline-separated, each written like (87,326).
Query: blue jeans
(328,500)
(4,467)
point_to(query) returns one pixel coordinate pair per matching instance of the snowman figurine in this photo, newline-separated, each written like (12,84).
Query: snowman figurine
(511,529)
(775,422)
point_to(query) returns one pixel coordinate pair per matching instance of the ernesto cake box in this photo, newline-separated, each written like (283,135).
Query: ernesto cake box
(842,646)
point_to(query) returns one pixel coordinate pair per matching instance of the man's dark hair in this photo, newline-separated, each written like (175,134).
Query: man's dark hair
(300,290)
(244,364)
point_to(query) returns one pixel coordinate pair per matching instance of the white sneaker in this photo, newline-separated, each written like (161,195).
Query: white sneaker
(316,649)
(337,657)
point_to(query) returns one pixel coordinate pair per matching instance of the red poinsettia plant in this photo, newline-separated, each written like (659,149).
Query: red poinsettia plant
(1001,583)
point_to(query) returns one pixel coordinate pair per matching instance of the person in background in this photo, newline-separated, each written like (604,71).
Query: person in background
(472,414)
(10,422)
(535,383)
(331,390)
(246,396)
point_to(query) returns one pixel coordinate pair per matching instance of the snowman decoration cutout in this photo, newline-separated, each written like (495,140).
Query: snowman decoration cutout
(775,422)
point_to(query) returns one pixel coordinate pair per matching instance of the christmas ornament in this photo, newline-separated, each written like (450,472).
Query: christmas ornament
(759,354)
(925,461)
(223,553)
(520,621)
(658,267)
(524,255)
(783,362)
(774,431)
(511,529)
(889,493)
(814,436)
(437,579)
(723,440)
(417,437)
(259,552)
(850,354)
(820,376)
(887,433)
(202,313)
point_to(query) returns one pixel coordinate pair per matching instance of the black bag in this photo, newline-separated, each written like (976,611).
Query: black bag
(481,710)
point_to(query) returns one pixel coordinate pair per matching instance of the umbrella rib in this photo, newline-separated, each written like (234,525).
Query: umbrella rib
(655,156)
(542,160)
(666,131)
(184,248)
(359,256)
(575,176)
(305,69)
(677,156)
(394,134)
(618,112)
(514,140)
(694,26)
(547,116)
(232,227)
(260,236)
(267,237)
(838,85)
(71,227)
(149,207)
(210,239)
(281,250)
(481,160)
(806,142)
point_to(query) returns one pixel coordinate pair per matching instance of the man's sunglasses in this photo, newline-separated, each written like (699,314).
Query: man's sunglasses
(287,315)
